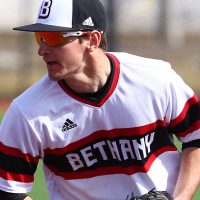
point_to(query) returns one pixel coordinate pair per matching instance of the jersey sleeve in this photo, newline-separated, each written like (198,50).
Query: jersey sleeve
(12,196)
(183,113)
(19,151)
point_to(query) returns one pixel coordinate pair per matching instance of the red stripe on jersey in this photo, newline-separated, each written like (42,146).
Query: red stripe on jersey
(109,93)
(23,178)
(11,151)
(195,126)
(182,115)
(113,170)
(125,132)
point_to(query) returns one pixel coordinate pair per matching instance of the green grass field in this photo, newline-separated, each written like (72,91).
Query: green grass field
(39,191)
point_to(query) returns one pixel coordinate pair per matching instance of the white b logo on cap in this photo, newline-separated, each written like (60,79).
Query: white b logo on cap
(45,9)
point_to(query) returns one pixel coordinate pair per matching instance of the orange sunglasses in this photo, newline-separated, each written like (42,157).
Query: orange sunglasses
(54,39)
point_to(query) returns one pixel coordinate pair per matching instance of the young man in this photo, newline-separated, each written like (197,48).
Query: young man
(102,123)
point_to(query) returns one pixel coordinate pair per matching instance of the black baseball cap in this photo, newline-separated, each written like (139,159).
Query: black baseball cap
(67,16)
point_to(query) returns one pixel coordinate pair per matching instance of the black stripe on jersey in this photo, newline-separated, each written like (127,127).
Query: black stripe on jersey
(19,165)
(23,165)
(119,154)
(11,151)
(11,196)
(189,123)
(195,143)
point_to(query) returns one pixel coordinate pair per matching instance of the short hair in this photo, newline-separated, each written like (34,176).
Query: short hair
(103,44)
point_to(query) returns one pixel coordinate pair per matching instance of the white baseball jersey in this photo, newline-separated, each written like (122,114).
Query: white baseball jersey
(101,149)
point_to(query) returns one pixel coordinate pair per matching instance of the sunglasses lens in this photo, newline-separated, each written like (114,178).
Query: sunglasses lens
(50,38)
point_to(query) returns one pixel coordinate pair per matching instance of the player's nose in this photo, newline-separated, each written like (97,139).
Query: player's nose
(43,49)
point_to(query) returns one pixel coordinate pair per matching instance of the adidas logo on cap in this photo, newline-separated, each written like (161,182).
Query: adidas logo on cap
(88,22)
(68,15)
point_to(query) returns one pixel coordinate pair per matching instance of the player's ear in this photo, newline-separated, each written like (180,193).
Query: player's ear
(94,40)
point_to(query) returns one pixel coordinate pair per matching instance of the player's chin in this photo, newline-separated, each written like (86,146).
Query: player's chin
(54,76)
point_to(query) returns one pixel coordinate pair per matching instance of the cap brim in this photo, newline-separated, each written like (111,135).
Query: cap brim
(43,28)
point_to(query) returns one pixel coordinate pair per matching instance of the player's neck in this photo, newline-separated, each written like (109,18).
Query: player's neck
(93,75)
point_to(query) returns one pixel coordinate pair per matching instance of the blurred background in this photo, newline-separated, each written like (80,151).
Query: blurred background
(161,29)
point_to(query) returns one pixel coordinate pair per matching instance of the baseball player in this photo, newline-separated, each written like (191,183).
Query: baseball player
(101,122)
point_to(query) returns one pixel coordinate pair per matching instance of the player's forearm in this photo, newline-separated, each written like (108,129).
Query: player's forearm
(27,198)
(189,175)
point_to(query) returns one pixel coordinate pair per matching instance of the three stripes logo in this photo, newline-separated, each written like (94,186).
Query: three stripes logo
(88,22)
(68,125)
